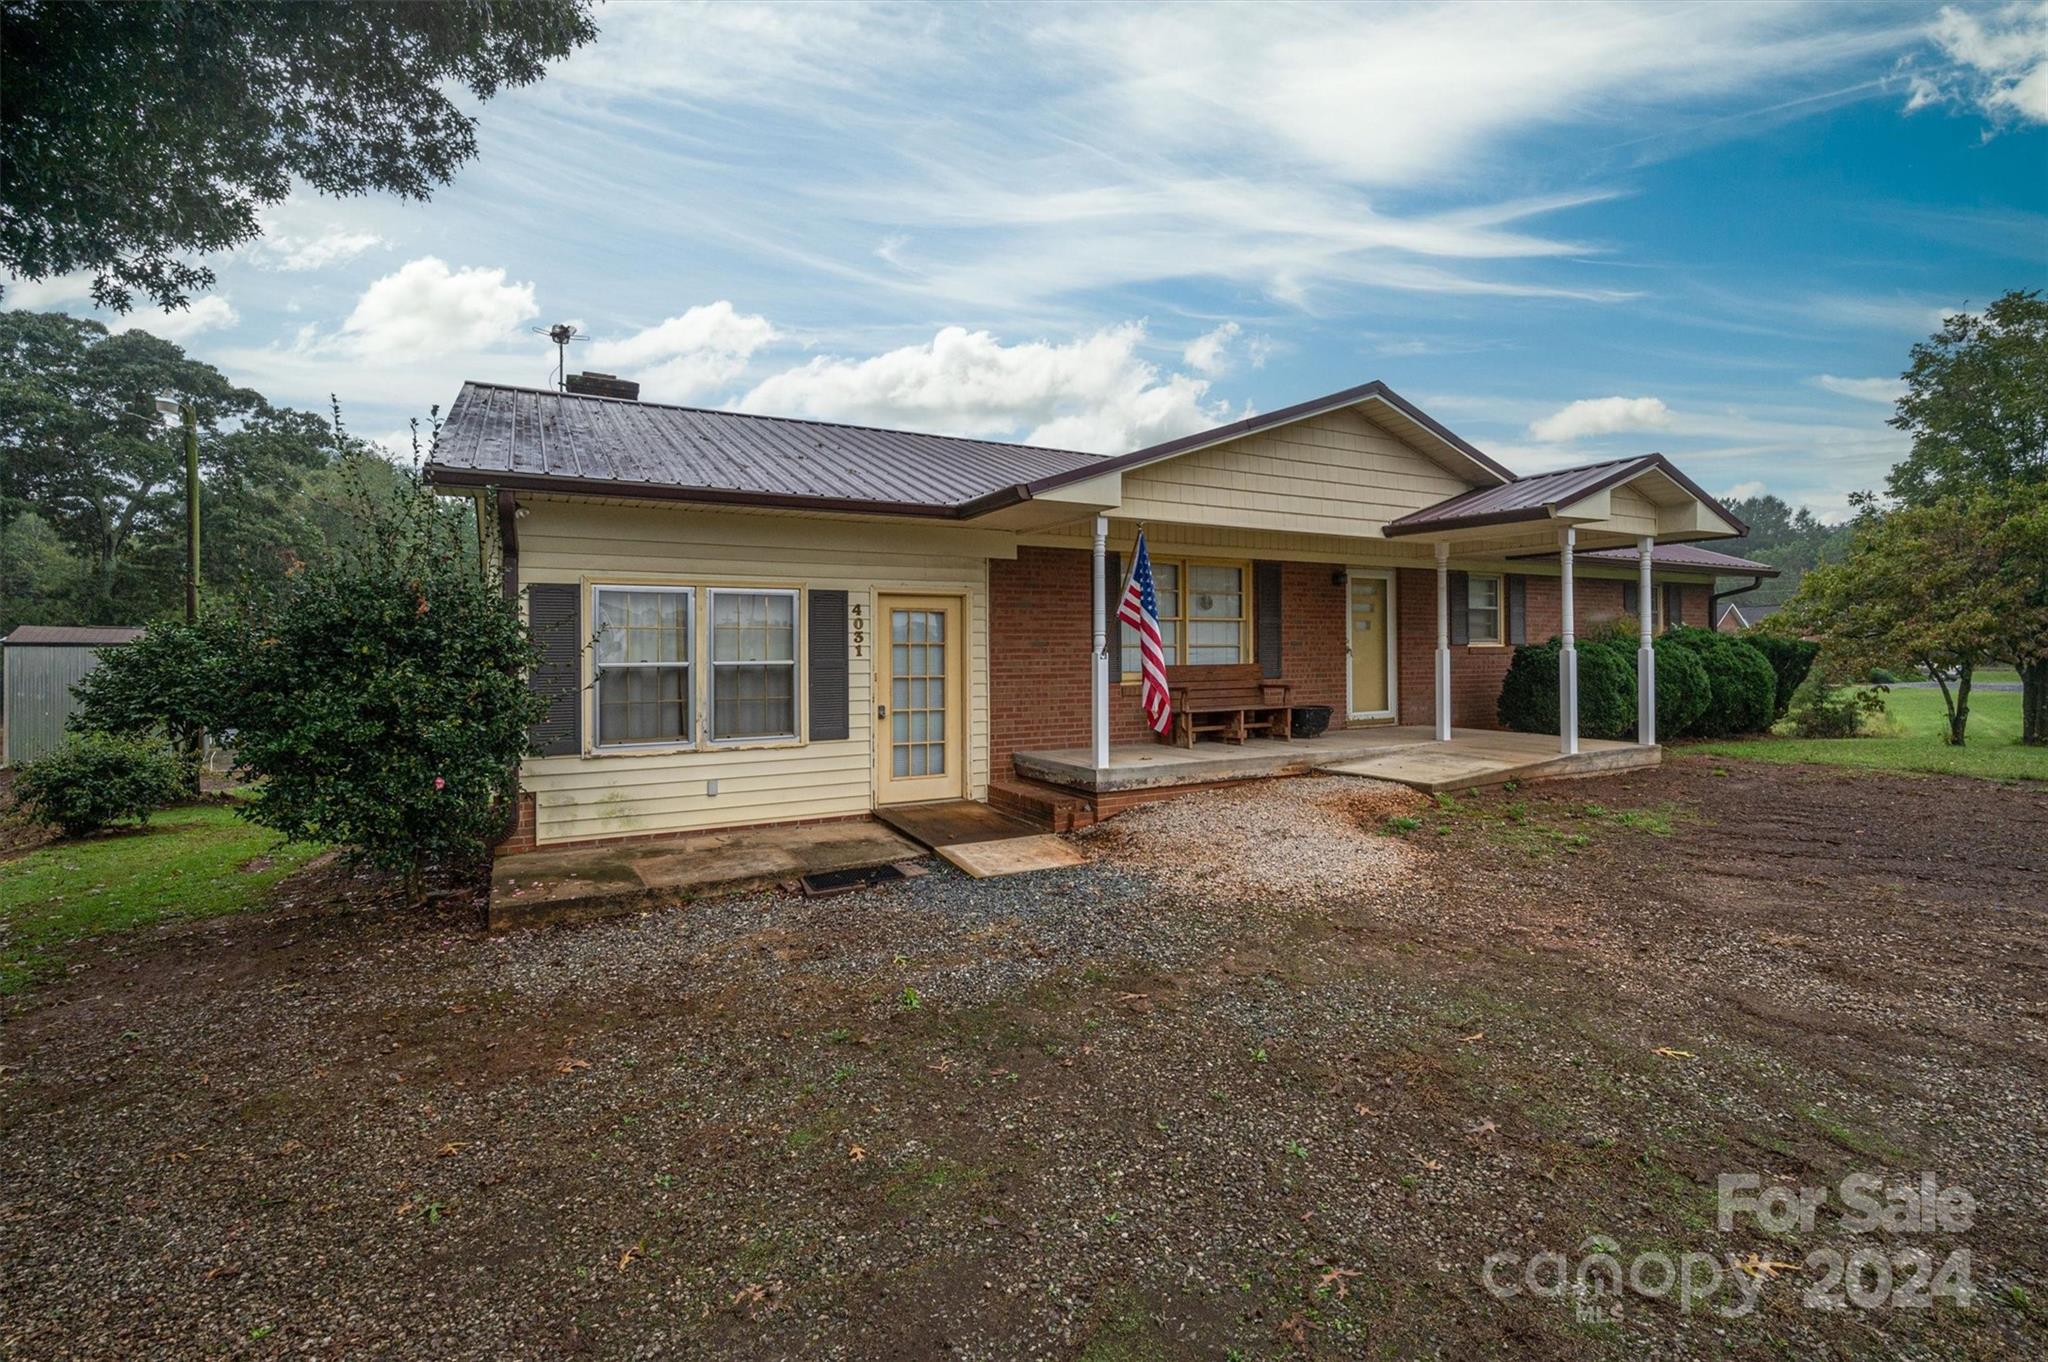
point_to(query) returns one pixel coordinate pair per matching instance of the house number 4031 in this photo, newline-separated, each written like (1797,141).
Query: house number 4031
(857,629)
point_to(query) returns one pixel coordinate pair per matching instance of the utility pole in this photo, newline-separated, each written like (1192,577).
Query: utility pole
(189,417)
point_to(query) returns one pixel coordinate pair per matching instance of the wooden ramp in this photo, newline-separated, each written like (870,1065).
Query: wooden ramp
(1471,761)
(982,841)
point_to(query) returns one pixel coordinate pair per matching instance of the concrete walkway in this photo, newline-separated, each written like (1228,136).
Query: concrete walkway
(579,883)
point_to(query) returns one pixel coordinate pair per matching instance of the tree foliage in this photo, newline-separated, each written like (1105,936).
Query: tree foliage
(87,457)
(1791,539)
(133,136)
(1976,404)
(1943,588)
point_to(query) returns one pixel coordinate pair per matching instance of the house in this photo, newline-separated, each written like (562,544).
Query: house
(44,662)
(751,619)
(1737,616)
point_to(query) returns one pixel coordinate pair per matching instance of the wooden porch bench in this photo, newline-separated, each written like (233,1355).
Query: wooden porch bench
(1231,701)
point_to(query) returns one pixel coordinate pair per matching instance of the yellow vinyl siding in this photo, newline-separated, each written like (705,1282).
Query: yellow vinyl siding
(1336,474)
(611,793)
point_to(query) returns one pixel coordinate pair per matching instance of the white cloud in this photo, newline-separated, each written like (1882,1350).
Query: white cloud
(204,314)
(688,355)
(1601,416)
(1093,394)
(43,295)
(1884,390)
(2000,62)
(1209,352)
(426,309)
(1743,490)
(296,252)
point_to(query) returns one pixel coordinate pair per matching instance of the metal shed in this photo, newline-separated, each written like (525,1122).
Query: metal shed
(43,663)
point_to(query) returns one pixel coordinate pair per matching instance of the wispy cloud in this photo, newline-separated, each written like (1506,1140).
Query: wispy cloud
(688,355)
(211,312)
(1601,416)
(1881,390)
(1997,62)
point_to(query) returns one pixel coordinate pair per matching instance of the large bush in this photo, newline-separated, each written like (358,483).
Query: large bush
(1790,658)
(1607,689)
(177,681)
(1742,688)
(1683,692)
(1821,708)
(98,778)
(383,704)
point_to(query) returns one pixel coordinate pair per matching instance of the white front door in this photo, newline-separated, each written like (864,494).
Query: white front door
(1370,641)
(919,715)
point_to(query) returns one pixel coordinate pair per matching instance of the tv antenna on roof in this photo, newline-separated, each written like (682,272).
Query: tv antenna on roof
(561,333)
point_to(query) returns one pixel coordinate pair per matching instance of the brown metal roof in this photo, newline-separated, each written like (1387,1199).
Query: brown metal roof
(70,635)
(1688,556)
(541,439)
(1534,498)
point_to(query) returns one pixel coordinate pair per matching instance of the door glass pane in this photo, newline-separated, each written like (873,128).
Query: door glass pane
(917,693)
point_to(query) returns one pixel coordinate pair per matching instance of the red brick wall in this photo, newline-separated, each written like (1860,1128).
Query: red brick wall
(1476,672)
(1041,619)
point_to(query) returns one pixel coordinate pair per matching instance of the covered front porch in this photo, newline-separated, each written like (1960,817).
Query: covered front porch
(1409,754)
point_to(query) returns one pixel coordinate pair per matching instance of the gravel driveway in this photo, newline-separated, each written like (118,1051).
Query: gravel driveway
(1273,1073)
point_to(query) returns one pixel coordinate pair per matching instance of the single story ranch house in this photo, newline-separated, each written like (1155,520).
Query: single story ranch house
(751,620)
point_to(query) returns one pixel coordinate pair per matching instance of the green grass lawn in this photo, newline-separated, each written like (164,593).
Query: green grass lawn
(1912,741)
(187,864)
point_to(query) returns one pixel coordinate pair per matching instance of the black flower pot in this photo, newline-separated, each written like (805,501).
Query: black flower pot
(1310,720)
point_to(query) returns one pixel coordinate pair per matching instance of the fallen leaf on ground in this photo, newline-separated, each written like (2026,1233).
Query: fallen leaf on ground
(628,1256)
(856,1154)
(1756,1265)
(1485,1127)
(1335,1278)
(1363,1110)
(451,1149)
(1430,1165)
(1476,1035)
(1670,1053)
(568,1065)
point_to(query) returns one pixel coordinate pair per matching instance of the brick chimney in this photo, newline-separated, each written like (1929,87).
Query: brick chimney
(590,383)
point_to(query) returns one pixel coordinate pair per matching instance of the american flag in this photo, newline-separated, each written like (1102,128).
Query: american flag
(1139,608)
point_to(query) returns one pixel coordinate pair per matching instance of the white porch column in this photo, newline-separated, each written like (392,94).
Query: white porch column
(1646,653)
(1443,642)
(1098,669)
(1568,659)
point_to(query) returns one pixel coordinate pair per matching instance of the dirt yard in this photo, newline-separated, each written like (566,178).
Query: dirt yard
(1273,1076)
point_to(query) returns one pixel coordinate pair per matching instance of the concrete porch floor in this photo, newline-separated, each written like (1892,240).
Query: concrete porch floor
(579,883)
(1405,754)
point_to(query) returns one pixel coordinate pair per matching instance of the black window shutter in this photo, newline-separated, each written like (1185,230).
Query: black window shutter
(826,653)
(1266,616)
(1674,606)
(1518,608)
(1631,599)
(554,612)
(1461,610)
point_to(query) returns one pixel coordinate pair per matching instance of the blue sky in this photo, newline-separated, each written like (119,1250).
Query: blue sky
(1569,233)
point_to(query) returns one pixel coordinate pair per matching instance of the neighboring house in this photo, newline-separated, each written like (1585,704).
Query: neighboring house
(43,663)
(1737,616)
(752,619)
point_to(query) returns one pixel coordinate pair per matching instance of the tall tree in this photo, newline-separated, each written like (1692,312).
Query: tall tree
(1791,539)
(1976,405)
(135,135)
(85,449)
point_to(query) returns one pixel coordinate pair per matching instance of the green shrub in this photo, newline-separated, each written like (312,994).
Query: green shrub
(1528,693)
(1790,658)
(1880,677)
(177,681)
(1822,709)
(1742,688)
(383,704)
(98,778)
(1683,692)
(1607,688)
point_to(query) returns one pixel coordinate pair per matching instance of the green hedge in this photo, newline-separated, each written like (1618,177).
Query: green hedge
(1742,687)
(1790,658)
(96,779)
(1708,685)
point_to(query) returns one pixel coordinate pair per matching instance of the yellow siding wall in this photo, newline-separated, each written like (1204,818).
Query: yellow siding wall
(1334,474)
(623,793)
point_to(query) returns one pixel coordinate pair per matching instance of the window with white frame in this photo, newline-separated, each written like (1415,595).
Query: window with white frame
(753,665)
(1202,614)
(1482,609)
(642,664)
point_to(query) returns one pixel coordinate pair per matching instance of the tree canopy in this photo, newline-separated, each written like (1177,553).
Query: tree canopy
(135,136)
(1976,404)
